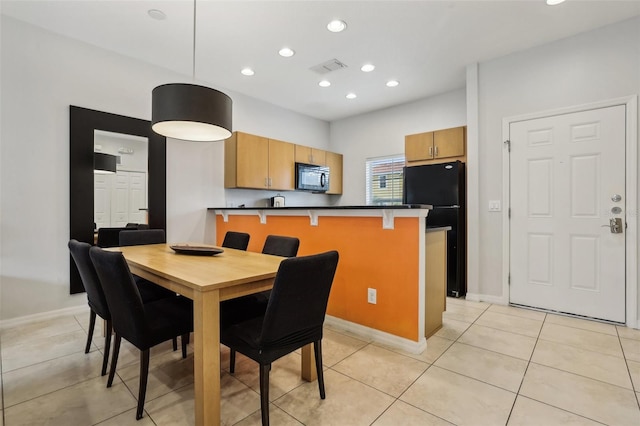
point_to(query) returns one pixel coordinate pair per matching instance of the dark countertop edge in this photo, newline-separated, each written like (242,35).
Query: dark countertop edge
(395,207)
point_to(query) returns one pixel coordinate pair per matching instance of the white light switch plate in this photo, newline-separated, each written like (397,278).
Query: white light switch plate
(494,206)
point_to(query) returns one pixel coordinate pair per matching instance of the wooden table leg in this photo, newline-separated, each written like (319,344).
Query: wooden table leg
(308,367)
(206,323)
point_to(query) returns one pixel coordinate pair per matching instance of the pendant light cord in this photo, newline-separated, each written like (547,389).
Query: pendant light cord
(193,67)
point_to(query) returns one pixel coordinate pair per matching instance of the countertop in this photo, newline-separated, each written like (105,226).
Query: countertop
(394,207)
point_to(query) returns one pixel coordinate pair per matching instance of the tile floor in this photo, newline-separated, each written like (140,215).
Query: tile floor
(488,365)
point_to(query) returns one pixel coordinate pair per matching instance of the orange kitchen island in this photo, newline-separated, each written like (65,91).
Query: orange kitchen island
(386,249)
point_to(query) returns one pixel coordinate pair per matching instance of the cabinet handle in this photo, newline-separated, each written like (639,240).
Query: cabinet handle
(270,182)
(430,151)
(436,148)
(266,182)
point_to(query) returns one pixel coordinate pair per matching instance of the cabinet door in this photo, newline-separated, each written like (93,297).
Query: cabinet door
(319,157)
(418,147)
(334,161)
(252,161)
(448,143)
(303,154)
(281,165)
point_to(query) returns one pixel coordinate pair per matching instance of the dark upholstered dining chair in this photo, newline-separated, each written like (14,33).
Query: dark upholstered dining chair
(136,237)
(253,305)
(109,237)
(143,325)
(294,318)
(96,298)
(236,240)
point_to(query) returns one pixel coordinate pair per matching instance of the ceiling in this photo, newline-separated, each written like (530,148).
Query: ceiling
(425,45)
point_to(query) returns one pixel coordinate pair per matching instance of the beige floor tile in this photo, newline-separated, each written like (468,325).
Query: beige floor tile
(585,339)
(382,369)
(176,408)
(348,402)
(167,372)
(518,312)
(631,349)
(39,379)
(21,334)
(464,302)
(462,313)
(435,348)
(42,349)
(490,367)
(515,345)
(527,412)
(590,398)
(401,413)
(85,403)
(337,346)
(634,372)
(452,329)
(511,323)
(128,418)
(628,333)
(595,365)
(276,417)
(583,324)
(284,375)
(443,394)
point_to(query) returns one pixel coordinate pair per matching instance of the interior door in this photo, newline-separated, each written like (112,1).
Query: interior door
(137,197)
(567,181)
(102,200)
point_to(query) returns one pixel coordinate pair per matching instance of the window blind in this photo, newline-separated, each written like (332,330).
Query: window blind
(384,179)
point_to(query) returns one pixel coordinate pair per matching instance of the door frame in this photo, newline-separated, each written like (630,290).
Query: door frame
(631,191)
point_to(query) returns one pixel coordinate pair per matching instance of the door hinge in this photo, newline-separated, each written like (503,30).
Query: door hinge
(509,212)
(508,144)
(509,279)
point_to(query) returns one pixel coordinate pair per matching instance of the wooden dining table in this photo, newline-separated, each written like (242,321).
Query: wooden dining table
(208,280)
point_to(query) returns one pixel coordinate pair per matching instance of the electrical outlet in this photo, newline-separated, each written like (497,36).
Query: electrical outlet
(494,206)
(372,295)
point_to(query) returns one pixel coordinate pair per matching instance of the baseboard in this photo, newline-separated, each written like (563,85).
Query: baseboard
(378,336)
(476,297)
(73,310)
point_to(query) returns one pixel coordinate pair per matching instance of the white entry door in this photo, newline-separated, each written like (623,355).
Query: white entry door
(567,180)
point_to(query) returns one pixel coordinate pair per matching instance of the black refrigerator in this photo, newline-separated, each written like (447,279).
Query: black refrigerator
(443,187)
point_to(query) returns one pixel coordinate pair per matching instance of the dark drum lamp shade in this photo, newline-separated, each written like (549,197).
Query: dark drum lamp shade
(191,112)
(104,163)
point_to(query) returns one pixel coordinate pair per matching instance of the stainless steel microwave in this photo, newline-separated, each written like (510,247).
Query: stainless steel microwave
(310,177)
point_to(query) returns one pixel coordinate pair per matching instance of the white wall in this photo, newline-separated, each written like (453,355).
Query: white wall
(382,132)
(594,66)
(42,74)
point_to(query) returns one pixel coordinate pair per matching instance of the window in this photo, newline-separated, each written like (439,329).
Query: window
(384,180)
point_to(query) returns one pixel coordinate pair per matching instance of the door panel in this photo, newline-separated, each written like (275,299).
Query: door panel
(564,171)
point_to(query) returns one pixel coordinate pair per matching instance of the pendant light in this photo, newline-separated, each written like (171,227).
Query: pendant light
(104,163)
(189,111)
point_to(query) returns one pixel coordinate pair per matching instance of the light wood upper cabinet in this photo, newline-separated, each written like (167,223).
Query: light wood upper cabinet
(308,155)
(431,147)
(334,161)
(257,162)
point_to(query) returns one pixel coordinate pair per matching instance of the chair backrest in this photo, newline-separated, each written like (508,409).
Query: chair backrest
(121,292)
(281,246)
(298,300)
(236,240)
(142,236)
(95,294)
(109,237)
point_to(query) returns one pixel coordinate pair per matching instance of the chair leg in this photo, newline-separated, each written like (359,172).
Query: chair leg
(144,374)
(114,359)
(232,361)
(184,339)
(107,345)
(317,350)
(264,393)
(175,344)
(92,325)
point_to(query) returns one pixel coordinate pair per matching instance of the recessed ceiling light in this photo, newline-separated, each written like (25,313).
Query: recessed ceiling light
(247,71)
(324,83)
(336,26)
(157,14)
(286,52)
(392,83)
(368,67)
(554,2)
(351,96)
